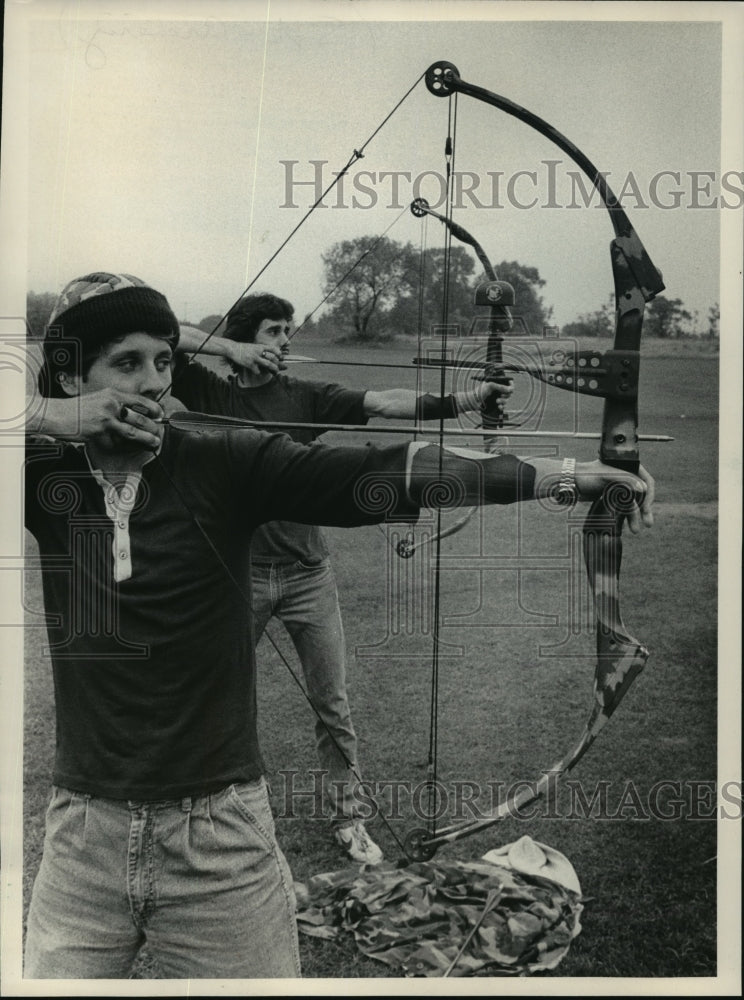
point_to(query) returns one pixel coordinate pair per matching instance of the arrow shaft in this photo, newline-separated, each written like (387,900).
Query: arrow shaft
(299,359)
(192,419)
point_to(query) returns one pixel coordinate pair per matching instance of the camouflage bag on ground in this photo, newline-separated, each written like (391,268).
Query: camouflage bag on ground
(445,918)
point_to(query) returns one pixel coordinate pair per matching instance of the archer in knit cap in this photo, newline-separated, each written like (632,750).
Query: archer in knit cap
(90,312)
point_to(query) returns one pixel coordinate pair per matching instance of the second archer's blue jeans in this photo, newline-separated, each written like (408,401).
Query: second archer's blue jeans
(305,599)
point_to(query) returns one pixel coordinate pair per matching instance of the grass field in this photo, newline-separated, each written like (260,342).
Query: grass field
(515,687)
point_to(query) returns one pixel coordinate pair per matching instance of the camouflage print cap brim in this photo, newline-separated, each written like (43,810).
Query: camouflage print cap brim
(98,283)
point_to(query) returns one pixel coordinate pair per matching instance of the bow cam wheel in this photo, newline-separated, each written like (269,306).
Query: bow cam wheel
(416,846)
(439,78)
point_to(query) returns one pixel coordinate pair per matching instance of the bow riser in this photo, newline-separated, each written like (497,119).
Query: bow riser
(620,657)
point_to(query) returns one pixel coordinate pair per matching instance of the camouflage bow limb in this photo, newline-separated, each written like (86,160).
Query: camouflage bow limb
(620,657)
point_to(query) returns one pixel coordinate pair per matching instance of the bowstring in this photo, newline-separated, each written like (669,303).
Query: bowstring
(357,154)
(433,758)
(423,236)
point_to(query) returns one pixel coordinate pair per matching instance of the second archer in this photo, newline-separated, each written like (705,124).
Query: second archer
(291,572)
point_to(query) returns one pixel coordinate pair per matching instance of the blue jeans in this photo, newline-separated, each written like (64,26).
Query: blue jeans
(201,881)
(305,599)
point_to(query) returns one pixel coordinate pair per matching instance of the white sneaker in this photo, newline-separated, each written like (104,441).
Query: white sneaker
(358,844)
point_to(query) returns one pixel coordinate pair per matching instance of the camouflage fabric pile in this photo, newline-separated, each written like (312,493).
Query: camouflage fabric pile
(422,917)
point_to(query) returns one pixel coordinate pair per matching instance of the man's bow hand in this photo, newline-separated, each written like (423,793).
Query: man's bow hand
(256,358)
(629,494)
(592,478)
(481,392)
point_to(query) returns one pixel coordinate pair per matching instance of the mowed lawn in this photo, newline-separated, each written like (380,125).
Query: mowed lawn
(637,819)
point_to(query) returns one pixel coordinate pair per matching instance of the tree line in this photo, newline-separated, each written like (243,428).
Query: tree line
(664,318)
(376,288)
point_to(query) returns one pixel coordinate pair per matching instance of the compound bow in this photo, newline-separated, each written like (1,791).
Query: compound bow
(620,657)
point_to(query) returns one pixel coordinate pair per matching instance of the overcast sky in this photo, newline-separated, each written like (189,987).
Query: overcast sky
(162,147)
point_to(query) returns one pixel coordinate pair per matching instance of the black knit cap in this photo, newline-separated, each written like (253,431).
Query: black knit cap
(92,311)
